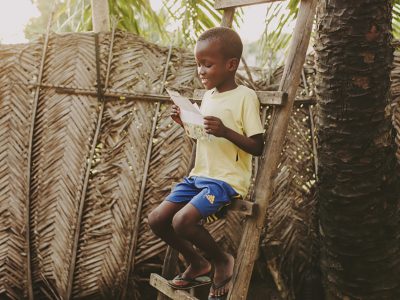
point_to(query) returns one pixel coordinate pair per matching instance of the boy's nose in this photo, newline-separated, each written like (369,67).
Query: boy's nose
(201,70)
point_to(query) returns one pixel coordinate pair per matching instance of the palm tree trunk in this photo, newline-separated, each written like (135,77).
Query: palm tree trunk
(359,203)
(100,15)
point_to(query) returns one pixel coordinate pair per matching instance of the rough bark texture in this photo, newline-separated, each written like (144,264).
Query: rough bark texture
(359,203)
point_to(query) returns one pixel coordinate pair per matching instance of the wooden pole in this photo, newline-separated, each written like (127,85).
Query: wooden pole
(101,102)
(135,234)
(248,249)
(100,15)
(227,17)
(29,280)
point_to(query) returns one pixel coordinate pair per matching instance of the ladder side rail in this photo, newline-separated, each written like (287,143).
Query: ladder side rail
(265,97)
(249,244)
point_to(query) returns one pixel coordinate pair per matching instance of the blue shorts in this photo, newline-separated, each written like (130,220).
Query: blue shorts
(206,194)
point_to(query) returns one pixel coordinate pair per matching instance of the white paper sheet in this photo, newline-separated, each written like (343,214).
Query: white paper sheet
(190,115)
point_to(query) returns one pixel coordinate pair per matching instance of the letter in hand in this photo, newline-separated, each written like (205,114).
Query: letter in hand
(175,111)
(214,126)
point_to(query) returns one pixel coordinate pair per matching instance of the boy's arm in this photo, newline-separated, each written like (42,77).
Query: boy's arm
(253,144)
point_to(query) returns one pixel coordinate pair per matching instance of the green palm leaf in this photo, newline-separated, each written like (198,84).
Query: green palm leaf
(274,42)
(396,19)
(193,17)
(137,16)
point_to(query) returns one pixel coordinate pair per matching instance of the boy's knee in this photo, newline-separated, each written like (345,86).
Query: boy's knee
(181,224)
(155,221)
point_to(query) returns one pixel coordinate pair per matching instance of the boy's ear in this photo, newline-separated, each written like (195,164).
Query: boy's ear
(233,64)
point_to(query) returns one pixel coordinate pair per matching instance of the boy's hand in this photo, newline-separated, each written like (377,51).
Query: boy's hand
(214,126)
(175,111)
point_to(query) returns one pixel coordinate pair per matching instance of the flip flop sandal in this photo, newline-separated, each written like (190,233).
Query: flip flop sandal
(189,282)
(218,286)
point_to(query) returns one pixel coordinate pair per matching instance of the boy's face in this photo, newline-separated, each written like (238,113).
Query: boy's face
(214,69)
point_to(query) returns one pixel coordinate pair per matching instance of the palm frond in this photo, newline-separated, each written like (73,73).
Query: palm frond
(193,17)
(18,65)
(396,19)
(274,41)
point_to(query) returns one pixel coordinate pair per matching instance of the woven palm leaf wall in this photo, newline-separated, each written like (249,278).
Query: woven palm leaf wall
(80,215)
(83,161)
(395,90)
(18,67)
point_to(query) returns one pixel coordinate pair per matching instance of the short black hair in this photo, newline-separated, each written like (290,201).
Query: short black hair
(231,43)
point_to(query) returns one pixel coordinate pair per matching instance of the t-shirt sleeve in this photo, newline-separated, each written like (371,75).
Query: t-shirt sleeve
(251,115)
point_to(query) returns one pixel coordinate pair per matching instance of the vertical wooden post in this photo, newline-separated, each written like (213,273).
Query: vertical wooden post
(135,234)
(100,15)
(227,17)
(101,102)
(29,280)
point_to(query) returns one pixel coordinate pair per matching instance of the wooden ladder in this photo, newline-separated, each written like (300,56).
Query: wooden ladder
(282,102)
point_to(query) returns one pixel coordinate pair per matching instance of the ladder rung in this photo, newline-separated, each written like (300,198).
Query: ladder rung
(265,97)
(245,207)
(161,284)
(222,4)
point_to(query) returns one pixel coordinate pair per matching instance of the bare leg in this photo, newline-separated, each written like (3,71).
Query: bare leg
(160,221)
(185,224)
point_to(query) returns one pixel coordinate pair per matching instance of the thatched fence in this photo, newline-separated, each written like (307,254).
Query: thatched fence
(395,89)
(87,150)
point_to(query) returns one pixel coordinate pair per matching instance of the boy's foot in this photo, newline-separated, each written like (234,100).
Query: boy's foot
(181,283)
(222,278)
(198,268)
(195,275)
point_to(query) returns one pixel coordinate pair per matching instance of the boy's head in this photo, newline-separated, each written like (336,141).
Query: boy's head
(229,40)
(218,52)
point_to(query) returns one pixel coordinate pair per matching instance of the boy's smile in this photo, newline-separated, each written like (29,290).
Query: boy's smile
(214,69)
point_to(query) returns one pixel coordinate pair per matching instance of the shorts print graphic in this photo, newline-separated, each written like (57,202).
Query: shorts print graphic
(210,198)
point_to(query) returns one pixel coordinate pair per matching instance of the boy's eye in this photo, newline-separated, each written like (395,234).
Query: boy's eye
(206,65)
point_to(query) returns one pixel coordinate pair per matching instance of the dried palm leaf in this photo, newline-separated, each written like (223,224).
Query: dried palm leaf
(18,68)
(395,103)
(63,129)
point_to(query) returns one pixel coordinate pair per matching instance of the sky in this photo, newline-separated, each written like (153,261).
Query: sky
(15,14)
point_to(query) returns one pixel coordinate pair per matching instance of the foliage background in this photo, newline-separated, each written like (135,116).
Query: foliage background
(178,22)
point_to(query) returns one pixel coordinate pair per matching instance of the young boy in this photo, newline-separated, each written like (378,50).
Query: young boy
(222,167)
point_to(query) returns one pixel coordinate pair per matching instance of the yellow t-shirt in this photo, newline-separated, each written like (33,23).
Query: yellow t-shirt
(218,158)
